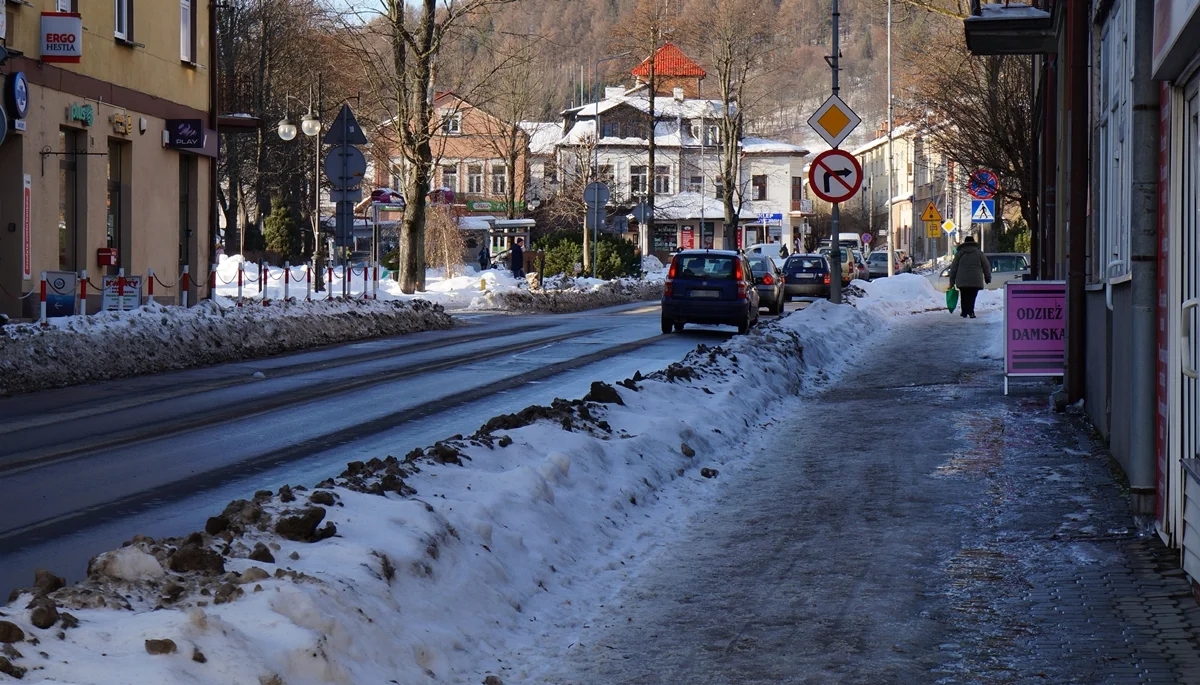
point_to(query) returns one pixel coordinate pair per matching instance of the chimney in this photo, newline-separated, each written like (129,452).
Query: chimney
(679,94)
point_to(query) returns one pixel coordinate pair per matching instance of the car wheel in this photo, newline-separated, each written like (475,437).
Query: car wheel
(666,325)
(678,326)
(744,327)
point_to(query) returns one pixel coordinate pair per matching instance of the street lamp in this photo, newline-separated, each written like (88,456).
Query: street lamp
(310,124)
(286,129)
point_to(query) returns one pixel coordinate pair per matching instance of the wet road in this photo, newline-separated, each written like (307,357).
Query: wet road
(83,469)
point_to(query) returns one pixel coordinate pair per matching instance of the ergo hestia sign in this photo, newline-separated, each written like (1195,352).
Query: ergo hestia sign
(62,37)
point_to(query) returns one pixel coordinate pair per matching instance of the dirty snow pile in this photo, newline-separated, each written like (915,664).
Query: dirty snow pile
(561,295)
(153,338)
(897,295)
(435,567)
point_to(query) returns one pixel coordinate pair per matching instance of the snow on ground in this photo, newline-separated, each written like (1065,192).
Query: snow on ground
(898,295)
(153,338)
(472,289)
(428,568)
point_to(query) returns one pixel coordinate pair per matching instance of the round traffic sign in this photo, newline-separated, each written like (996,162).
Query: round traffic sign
(983,185)
(345,166)
(835,176)
(866,238)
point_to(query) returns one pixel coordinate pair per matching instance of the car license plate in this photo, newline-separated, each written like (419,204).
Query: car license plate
(807,276)
(706,293)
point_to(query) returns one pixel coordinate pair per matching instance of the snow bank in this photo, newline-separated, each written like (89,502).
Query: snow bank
(898,295)
(425,568)
(153,339)
(571,295)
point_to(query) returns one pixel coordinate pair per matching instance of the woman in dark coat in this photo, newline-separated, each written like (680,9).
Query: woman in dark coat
(970,273)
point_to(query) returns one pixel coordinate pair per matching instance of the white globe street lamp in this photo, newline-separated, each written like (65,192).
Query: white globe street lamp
(286,129)
(310,124)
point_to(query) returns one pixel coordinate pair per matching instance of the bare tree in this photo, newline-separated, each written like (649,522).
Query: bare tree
(444,243)
(398,44)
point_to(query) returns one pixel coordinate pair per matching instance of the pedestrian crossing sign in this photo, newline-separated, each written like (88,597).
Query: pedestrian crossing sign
(983,211)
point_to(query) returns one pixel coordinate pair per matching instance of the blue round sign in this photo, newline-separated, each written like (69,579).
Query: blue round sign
(16,94)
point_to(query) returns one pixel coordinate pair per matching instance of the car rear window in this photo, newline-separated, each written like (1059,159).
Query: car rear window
(1006,264)
(704,266)
(805,264)
(760,266)
(878,257)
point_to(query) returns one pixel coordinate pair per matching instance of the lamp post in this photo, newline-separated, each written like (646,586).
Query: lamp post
(310,125)
(596,83)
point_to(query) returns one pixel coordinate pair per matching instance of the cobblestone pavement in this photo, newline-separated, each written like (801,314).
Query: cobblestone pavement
(911,525)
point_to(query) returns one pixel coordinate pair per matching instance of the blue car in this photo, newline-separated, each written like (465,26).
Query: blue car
(709,287)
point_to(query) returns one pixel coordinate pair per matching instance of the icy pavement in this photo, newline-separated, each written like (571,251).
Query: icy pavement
(909,525)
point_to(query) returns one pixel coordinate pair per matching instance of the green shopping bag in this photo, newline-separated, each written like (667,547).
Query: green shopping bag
(951,299)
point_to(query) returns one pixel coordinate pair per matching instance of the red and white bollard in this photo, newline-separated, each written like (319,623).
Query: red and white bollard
(120,290)
(240,273)
(262,282)
(287,280)
(307,281)
(375,281)
(43,320)
(83,292)
(329,284)
(212,282)
(183,287)
(149,286)
(366,272)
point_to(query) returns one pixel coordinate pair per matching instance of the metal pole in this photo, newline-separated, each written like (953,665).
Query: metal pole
(835,266)
(595,216)
(891,227)
(317,242)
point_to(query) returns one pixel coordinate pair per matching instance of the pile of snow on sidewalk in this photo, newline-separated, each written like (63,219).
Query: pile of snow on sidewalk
(429,568)
(153,338)
(896,296)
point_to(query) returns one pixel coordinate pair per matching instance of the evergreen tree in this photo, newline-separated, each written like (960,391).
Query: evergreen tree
(282,230)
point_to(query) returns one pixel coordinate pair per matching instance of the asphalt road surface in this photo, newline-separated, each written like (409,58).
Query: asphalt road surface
(84,469)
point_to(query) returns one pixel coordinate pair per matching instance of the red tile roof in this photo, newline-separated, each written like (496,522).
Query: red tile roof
(669,61)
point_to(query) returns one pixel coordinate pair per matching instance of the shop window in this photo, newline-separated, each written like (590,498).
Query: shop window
(665,238)
(69,141)
(759,184)
(475,179)
(118,214)
(499,179)
(187,30)
(450,176)
(123,20)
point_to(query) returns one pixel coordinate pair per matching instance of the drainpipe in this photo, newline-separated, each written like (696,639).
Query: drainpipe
(1144,129)
(1035,232)
(1078,31)
(214,226)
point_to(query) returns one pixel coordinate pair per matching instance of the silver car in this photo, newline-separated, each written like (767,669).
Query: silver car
(1006,266)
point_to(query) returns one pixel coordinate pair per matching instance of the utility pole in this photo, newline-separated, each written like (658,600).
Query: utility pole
(891,227)
(835,266)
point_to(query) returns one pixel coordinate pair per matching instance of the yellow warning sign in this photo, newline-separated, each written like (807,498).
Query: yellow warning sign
(931,214)
(932,229)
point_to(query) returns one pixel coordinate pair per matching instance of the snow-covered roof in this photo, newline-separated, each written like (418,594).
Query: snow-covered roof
(906,197)
(542,136)
(899,132)
(475,223)
(1003,11)
(665,133)
(764,146)
(664,107)
(691,205)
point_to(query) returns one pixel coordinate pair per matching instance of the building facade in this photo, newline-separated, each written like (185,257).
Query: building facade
(106,156)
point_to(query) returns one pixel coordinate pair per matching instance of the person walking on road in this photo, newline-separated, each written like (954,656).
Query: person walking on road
(485,258)
(517,259)
(970,272)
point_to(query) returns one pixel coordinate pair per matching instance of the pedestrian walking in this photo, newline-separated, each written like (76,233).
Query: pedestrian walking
(783,253)
(485,258)
(517,259)
(970,272)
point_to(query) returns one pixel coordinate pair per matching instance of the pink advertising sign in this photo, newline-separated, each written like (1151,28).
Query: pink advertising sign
(1035,328)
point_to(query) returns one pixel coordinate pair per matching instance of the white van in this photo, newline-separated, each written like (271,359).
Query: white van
(852,240)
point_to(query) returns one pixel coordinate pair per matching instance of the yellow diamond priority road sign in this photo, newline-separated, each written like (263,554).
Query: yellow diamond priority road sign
(834,120)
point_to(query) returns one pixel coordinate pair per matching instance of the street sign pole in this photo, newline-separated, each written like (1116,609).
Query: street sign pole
(835,266)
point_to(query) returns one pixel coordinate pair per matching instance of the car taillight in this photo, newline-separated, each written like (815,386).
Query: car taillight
(741,279)
(826,279)
(667,288)
(767,280)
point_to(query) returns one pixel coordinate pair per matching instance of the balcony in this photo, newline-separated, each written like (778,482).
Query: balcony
(1010,28)
(802,207)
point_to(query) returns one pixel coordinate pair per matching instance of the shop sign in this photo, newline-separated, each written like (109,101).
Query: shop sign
(122,123)
(687,238)
(26,232)
(84,114)
(62,37)
(61,288)
(1034,331)
(185,133)
(16,94)
(493,205)
(121,293)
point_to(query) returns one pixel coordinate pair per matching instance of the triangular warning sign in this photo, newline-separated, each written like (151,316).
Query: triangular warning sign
(931,214)
(345,130)
(983,213)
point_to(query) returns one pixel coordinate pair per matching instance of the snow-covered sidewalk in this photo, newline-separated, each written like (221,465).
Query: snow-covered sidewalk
(423,568)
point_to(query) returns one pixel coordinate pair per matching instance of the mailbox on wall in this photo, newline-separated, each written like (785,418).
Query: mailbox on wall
(106,256)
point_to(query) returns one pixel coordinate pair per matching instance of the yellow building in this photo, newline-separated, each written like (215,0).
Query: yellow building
(108,144)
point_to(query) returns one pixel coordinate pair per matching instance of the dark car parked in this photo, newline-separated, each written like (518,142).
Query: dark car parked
(709,287)
(769,282)
(806,275)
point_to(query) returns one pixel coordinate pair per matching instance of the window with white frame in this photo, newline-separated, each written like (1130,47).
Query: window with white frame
(696,184)
(123,19)
(450,176)
(475,179)
(451,123)
(499,179)
(639,178)
(187,30)
(662,180)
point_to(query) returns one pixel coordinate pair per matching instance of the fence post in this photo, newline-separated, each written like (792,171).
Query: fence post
(307,281)
(149,285)
(240,271)
(329,284)
(366,289)
(43,320)
(83,292)
(262,283)
(212,282)
(375,282)
(183,286)
(287,280)
(120,290)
